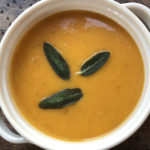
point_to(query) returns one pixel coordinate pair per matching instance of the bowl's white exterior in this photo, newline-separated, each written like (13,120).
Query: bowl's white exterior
(45,8)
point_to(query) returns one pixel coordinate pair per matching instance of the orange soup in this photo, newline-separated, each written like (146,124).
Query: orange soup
(109,95)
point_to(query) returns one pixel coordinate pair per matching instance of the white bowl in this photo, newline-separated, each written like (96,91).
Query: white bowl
(37,12)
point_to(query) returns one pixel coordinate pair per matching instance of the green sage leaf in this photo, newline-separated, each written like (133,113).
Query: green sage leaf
(61,99)
(94,63)
(56,61)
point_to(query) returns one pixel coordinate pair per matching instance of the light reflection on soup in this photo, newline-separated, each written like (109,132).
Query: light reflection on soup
(110,94)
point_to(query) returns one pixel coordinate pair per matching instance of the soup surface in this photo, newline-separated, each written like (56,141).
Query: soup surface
(109,95)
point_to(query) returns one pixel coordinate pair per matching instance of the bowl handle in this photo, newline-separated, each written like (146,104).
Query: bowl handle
(141,11)
(8,135)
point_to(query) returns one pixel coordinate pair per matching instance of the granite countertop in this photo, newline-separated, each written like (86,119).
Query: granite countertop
(9,10)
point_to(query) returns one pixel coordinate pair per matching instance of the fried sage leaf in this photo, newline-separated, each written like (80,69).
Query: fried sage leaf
(57,62)
(61,99)
(94,63)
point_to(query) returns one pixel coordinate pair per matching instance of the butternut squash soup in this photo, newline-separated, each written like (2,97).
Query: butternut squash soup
(76,75)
